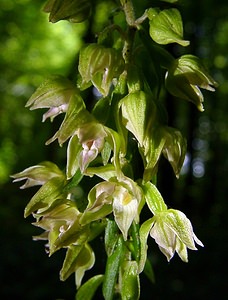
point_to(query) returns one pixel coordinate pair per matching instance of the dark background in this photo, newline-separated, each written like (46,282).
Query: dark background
(30,50)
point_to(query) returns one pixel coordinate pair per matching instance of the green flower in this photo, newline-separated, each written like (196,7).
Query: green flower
(92,137)
(125,208)
(122,198)
(38,174)
(173,232)
(186,76)
(61,226)
(54,93)
(100,65)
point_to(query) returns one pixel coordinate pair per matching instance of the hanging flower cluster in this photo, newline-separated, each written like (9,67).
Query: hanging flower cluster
(127,118)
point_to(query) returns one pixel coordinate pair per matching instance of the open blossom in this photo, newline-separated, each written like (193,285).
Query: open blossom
(54,93)
(186,76)
(173,232)
(91,137)
(90,151)
(38,174)
(123,198)
(125,209)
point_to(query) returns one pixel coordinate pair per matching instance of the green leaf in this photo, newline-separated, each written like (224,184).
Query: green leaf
(78,259)
(106,153)
(117,143)
(46,195)
(153,197)
(148,271)
(74,181)
(86,260)
(130,286)
(134,79)
(111,237)
(88,289)
(136,240)
(112,269)
(166,27)
(96,228)
(70,262)
(101,110)
(143,234)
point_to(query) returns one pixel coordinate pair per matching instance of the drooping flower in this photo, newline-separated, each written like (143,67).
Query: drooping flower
(125,209)
(100,65)
(122,198)
(61,226)
(170,228)
(173,232)
(54,93)
(91,137)
(38,174)
(186,76)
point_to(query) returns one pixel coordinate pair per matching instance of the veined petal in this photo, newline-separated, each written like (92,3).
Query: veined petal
(164,237)
(125,209)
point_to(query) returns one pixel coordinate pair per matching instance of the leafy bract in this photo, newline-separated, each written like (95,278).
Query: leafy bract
(130,287)
(88,289)
(166,26)
(78,259)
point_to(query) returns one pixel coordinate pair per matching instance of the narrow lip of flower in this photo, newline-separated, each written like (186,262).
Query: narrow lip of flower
(55,111)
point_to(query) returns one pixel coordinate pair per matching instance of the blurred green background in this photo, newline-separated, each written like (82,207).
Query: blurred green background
(31,48)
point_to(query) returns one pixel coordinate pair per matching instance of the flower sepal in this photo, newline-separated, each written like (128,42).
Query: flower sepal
(185,77)
(54,93)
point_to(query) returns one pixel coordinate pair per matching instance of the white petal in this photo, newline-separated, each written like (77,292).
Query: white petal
(125,209)
(165,238)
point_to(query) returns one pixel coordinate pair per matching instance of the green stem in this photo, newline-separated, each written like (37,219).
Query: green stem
(129,11)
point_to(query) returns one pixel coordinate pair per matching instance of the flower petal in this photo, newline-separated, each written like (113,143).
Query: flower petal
(125,209)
